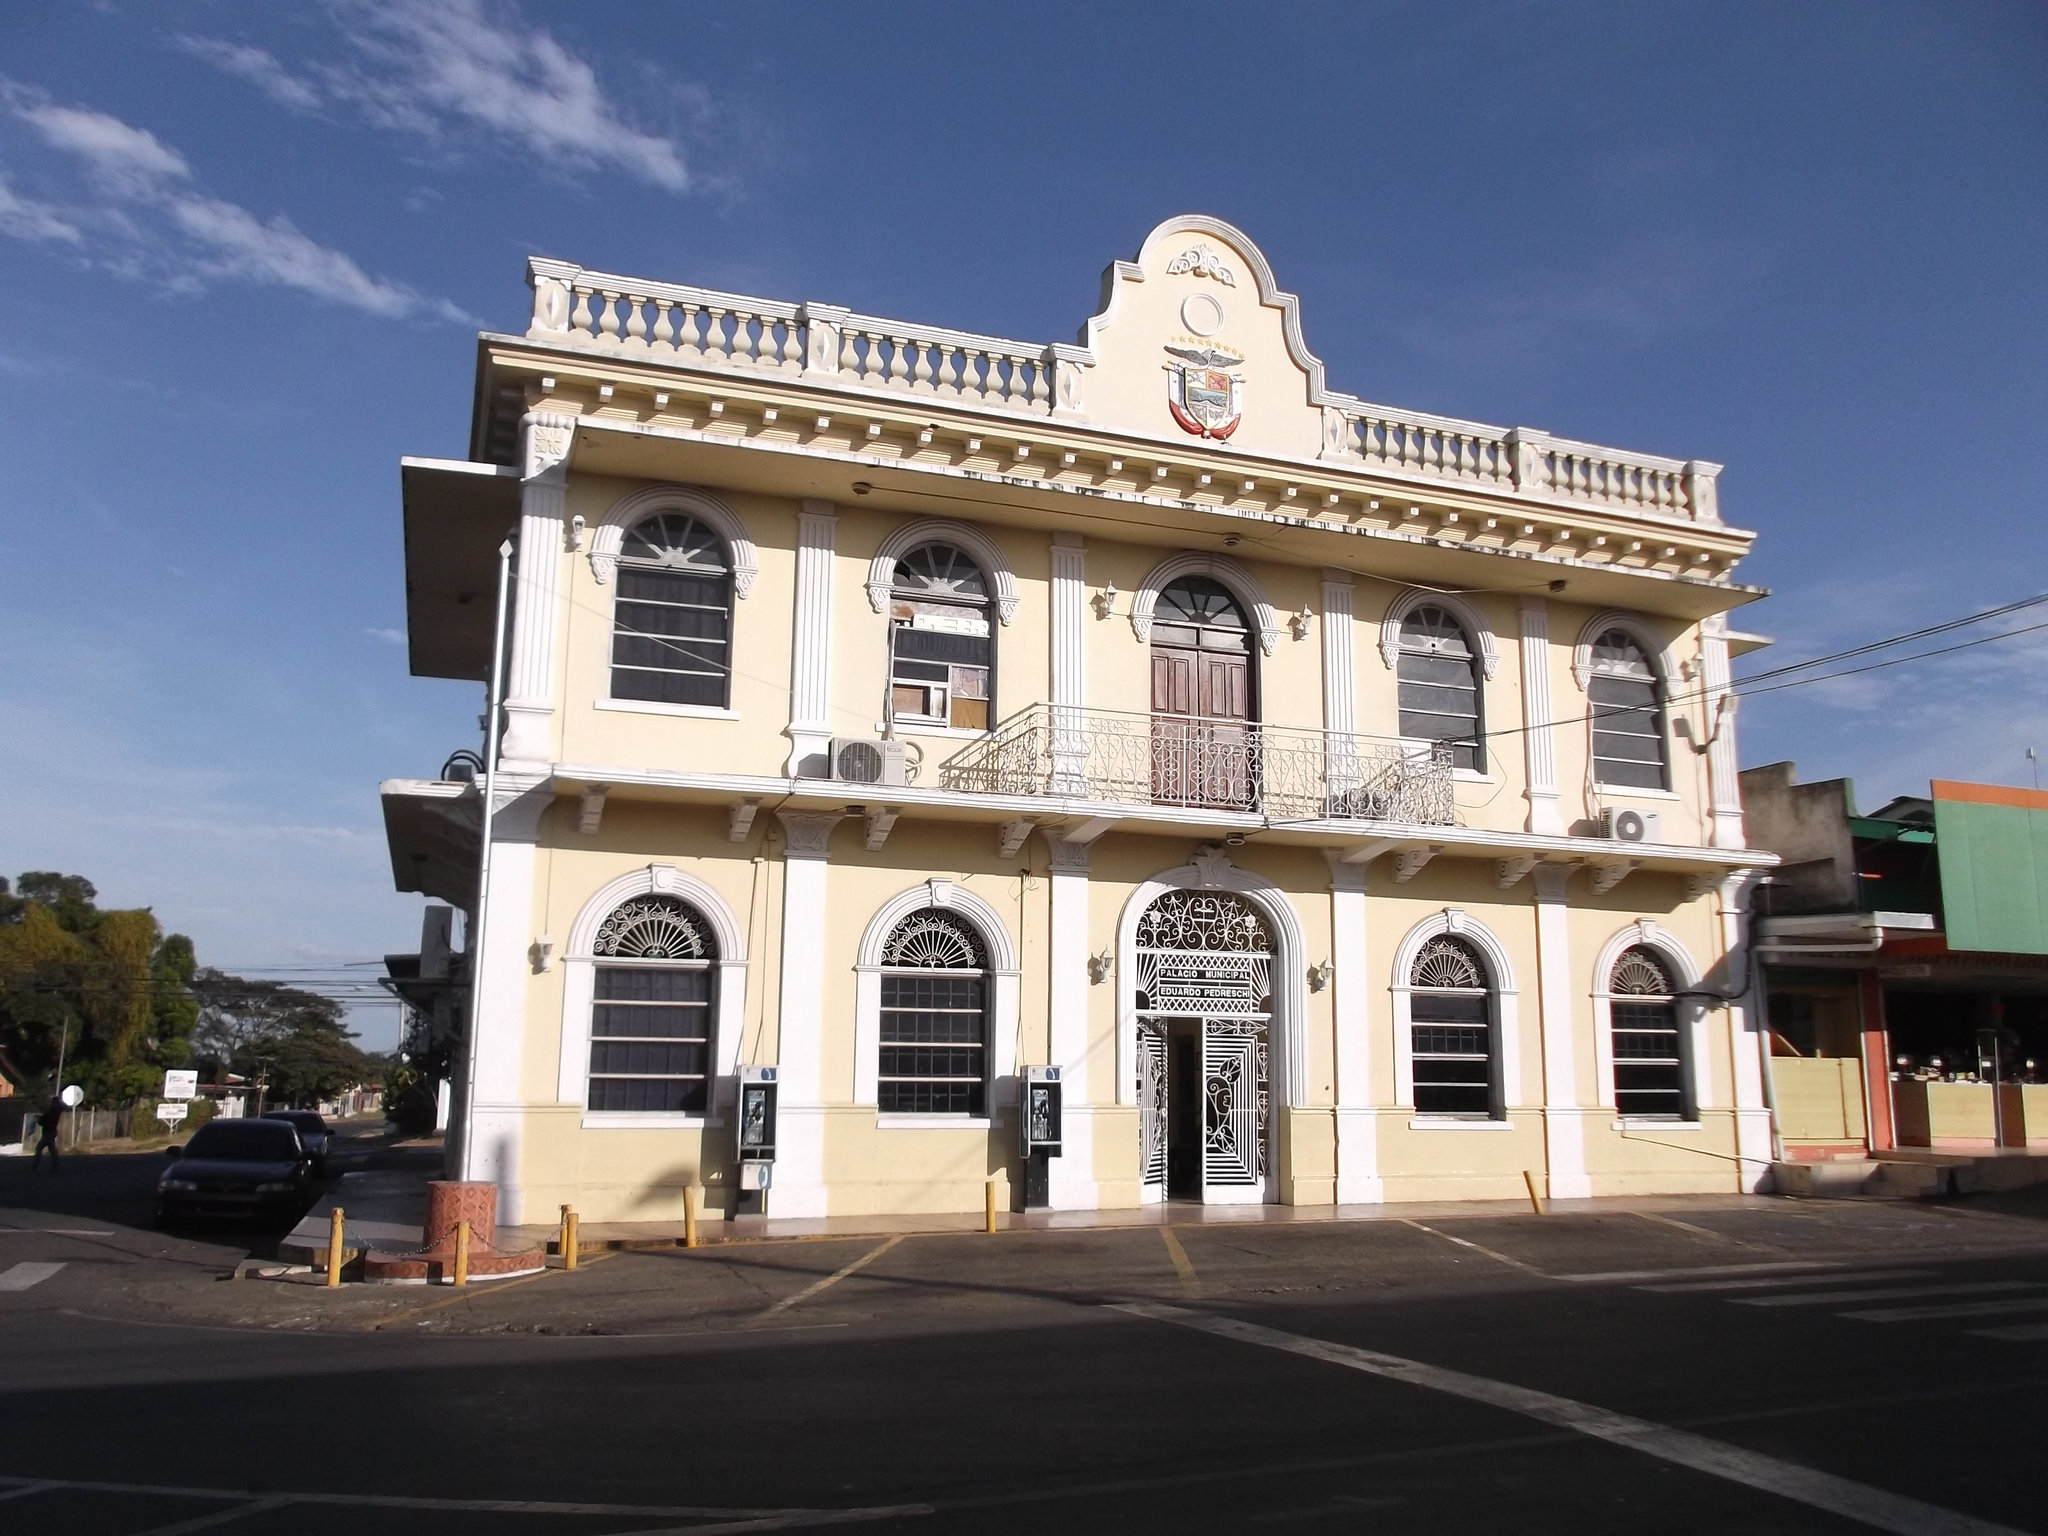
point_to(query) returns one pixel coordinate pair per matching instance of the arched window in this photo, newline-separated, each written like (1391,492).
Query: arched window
(935,1004)
(941,649)
(1628,715)
(1649,1052)
(650,1020)
(1439,684)
(1451,1019)
(672,619)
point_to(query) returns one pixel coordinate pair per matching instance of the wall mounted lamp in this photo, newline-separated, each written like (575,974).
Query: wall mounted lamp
(1105,600)
(1100,966)
(1319,976)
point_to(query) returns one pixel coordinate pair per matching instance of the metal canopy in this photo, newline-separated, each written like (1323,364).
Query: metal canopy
(456,515)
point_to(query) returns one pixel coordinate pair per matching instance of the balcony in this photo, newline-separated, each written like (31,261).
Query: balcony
(1282,772)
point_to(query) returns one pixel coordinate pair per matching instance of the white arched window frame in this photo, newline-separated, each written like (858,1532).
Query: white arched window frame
(1506,1011)
(984,551)
(1234,576)
(1475,622)
(1004,977)
(1663,664)
(579,993)
(941,641)
(1213,871)
(610,533)
(1693,1017)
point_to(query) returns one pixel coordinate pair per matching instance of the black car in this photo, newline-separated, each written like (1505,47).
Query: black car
(314,1135)
(236,1167)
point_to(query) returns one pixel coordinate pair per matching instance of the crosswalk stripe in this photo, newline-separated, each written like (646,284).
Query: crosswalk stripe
(22,1276)
(2025,1331)
(1960,1309)
(1885,1293)
(1766,1282)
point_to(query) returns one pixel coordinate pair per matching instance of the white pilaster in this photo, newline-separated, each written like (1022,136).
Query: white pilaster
(799,1188)
(1069,599)
(1722,784)
(490,1141)
(1564,1141)
(1358,1161)
(528,743)
(1746,1042)
(1538,748)
(810,661)
(1073,1171)
(1340,691)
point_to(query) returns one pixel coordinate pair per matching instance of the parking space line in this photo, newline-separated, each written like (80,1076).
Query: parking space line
(25,1490)
(1884,1293)
(21,1276)
(1697,1231)
(2026,1331)
(1701,1271)
(1465,1242)
(1960,1309)
(1801,1485)
(218,1517)
(1711,1287)
(835,1277)
(1179,1255)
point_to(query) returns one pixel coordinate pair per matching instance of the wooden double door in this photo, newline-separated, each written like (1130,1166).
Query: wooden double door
(1203,741)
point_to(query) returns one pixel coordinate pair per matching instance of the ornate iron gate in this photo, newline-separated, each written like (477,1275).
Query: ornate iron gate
(1205,956)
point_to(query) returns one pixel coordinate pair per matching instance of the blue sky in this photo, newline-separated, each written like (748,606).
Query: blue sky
(246,248)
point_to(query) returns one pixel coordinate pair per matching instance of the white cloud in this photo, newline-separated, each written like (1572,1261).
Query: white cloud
(258,67)
(388,636)
(148,221)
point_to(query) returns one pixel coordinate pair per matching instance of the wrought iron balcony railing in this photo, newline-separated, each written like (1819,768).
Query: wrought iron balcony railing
(1282,772)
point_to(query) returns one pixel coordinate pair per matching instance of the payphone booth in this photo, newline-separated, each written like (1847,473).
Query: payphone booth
(756,1137)
(1038,1132)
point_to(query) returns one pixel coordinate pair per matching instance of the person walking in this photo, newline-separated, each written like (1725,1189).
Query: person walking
(47,1123)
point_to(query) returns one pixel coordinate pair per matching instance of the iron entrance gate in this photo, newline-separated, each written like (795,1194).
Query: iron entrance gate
(1205,957)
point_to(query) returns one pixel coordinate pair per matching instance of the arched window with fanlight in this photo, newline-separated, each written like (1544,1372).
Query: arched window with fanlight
(672,619)
(653,1006)
(1650,1080)
(1628,715)
(935,1018)
(1452,1031)
(1439,684)
(941,646)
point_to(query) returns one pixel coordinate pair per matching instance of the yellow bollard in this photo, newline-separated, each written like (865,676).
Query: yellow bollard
(1535,1200)
(462,1253)
(989,1200)
(562,1237)
(689,1216)
(571,1244)
(334,1247)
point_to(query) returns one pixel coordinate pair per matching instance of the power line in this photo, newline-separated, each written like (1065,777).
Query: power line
(1918,634)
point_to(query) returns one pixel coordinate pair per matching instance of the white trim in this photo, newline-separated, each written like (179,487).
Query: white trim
(1287,1027)
(1467,615)
(1634,792)
(1655,647)
(681,711)
(1004,976)
(632,1120)
(810,646)
(1692,1017)
(1539,751)
(579,977)
(1452,1123)
(933,1123)
(1660,1125)
(1506,1012)
(1340,687)
(1233,574)
(1358,1173)
(609,535)
(938,530)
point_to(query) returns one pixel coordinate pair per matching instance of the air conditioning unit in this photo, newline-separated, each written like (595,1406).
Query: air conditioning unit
(1632,826)
(857,761)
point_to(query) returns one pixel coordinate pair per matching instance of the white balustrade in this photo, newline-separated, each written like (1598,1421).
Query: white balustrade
(1069,751)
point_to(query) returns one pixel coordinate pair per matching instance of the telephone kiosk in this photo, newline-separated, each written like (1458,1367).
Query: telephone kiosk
(1038,1133)
(756,1137)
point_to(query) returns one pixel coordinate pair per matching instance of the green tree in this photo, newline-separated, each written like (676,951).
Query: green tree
(299,1042)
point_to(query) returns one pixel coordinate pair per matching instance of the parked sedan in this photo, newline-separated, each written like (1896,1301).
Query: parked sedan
(314,1135)
(236,1167)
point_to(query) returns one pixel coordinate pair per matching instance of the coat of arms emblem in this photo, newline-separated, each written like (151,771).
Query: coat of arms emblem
(1206,398)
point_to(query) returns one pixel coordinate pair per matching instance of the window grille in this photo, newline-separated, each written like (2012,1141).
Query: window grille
(1649,1058)
(1197,612)
(1450,1011)
(650,1023)
(1438,679)
(672,619)
(934,1035)
(941,645)
(1628,715)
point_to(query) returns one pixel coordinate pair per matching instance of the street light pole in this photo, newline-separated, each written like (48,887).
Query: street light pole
(467,1143)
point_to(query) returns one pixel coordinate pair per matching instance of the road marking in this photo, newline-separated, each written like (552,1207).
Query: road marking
(1697,1231)
(2024,1331)
(1463,1242)
(472,1292)
(25,1490)
(55,1231)
(218,1517)
(1960,1309)
(1703,1287)
(1179,1255)
(1802,1485)
(22,1276)
(1621,1276)
(835,1277)
(1884,1293)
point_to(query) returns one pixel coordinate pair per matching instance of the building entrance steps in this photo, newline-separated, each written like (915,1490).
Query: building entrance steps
(1912,1173)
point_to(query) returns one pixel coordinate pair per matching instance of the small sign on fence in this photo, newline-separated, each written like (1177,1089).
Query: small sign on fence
(181,1084)
(171,1114)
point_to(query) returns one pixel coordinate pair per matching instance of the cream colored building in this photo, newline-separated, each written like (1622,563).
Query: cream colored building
(1342,797)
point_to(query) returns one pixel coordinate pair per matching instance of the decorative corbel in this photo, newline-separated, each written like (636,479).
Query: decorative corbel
(1409,861)
(1509,872)
(880,819)
(741,820)
(590,814)
(1608,873)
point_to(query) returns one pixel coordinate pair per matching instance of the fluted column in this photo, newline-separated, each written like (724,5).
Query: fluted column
(1073,1171)
(1564,1133)
(1538,747)
(1722,784)
(810,661)
(799,1188)
(1358,1159)
(528,743)
(1069,688)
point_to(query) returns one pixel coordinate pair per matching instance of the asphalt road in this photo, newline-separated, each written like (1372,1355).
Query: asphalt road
(1752,1366)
